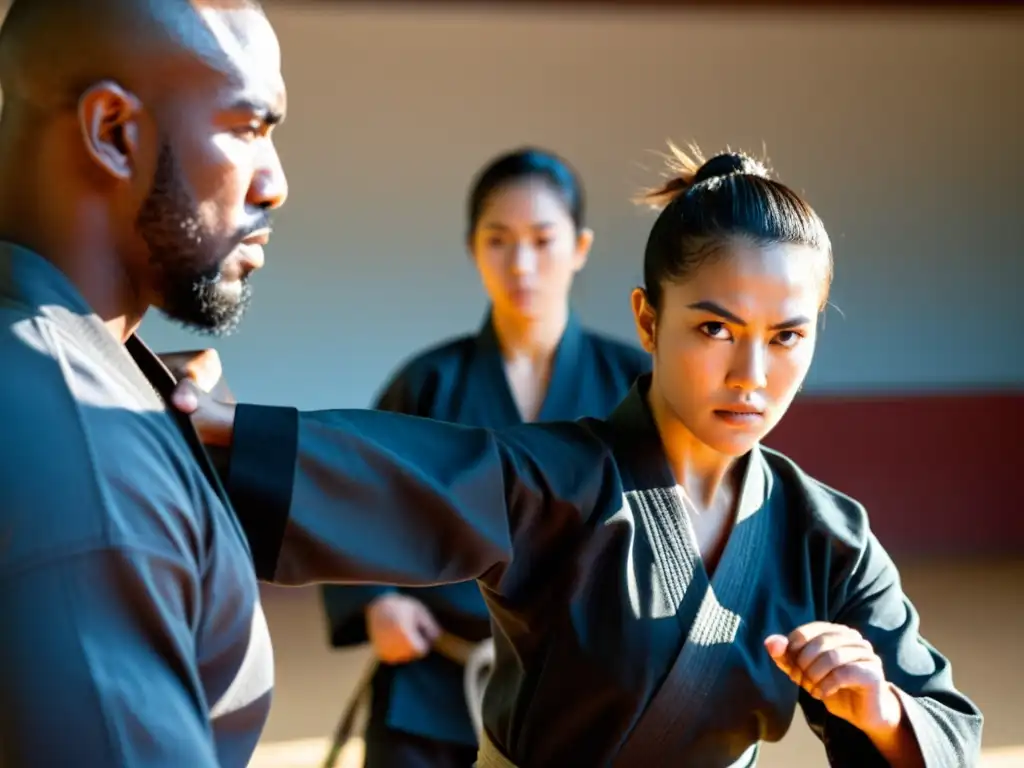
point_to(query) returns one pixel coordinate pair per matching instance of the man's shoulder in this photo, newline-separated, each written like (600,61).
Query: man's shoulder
(80,469)
(49,376)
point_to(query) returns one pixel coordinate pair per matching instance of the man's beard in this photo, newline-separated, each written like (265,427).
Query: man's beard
(187,258)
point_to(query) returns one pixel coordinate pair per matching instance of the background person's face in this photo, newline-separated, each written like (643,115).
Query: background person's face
(528,250)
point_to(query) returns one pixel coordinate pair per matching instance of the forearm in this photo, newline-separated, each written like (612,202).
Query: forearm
(939,726)
(367,497)
(898,743)
(900,749)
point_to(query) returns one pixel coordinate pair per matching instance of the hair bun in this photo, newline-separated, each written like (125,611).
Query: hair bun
(685,170)
(729,164)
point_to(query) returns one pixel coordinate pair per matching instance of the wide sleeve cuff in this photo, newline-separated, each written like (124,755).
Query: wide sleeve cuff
(939,735)
(261,477)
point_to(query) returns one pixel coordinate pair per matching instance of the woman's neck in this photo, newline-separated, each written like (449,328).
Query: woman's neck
(533,339)
(705,474)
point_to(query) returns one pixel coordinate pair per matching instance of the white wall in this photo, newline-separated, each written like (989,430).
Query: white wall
(904,130)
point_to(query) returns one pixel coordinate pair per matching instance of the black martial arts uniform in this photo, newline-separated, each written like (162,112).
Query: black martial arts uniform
(132,630)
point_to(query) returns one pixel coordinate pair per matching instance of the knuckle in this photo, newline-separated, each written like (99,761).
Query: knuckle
(801,635)
(833,658)
(836,678)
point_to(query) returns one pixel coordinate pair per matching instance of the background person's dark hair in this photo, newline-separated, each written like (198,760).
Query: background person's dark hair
(519,165)
(706,204)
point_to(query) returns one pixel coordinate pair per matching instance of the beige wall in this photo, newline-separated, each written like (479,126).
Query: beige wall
(903,130)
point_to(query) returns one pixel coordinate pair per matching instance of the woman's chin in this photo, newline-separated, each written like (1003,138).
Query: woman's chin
(729,442)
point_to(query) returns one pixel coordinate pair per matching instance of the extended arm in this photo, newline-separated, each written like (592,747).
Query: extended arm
(367,496)
(374,497)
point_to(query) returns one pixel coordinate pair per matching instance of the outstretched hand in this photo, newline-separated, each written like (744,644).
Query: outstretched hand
(837,666)
(203,394)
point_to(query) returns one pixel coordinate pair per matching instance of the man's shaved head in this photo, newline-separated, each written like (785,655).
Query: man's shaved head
(160,112)
(51,50)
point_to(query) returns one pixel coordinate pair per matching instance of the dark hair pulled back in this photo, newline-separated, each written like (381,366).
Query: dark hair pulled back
(706,204)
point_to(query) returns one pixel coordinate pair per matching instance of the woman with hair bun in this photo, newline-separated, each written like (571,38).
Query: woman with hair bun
(664,591)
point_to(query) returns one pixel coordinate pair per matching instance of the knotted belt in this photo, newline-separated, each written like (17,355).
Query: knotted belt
(476,658)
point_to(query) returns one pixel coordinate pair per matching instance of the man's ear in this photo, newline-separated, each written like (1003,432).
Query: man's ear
(109,118)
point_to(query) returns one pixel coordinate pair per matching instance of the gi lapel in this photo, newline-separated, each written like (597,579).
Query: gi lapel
(29,278)
(485,396)
(709,611)
(164,383)
(562,399)
(40,285)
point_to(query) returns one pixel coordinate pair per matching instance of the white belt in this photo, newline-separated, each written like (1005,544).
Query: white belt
(489,756)
(476,658)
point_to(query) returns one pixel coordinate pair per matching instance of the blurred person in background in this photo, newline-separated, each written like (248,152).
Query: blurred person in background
(531,360)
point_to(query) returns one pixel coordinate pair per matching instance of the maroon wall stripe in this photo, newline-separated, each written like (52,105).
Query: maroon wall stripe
(939,474)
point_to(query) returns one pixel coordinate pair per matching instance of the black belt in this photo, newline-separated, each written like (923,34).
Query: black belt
(474,656)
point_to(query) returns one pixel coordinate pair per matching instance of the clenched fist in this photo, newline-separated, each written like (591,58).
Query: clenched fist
(401,628)
(837,666)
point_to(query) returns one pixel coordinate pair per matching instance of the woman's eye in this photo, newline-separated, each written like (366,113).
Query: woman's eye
(715,330)
(788,338)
